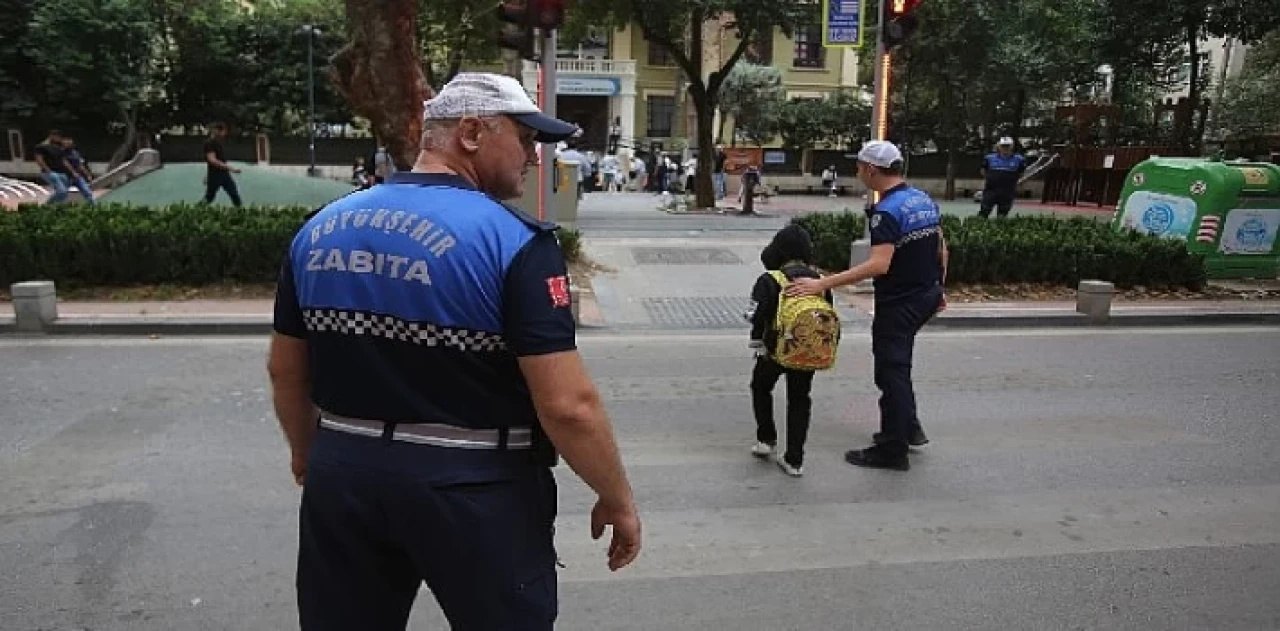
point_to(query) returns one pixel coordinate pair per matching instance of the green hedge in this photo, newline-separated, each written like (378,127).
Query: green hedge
(113,245)
(1031,250)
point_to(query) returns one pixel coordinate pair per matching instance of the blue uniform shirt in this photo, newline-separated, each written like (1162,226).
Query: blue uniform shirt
(1002,172)
(417,296)
(908,218)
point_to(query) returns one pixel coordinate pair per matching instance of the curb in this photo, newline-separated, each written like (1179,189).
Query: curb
(252,327)
(1122,320)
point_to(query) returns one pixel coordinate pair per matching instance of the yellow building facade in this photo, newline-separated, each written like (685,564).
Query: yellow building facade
(620,79)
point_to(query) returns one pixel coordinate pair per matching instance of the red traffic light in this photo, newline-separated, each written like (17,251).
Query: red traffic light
(547,14)
(902,7)
(899,21)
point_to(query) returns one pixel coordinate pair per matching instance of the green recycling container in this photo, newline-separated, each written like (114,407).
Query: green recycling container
(1227,211)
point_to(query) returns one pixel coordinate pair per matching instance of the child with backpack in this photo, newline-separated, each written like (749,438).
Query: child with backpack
(791,336)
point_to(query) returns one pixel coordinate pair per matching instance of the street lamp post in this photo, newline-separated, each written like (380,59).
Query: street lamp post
(311,32)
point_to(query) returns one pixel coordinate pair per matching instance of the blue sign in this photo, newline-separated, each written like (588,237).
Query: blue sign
(588,86)
(842,23)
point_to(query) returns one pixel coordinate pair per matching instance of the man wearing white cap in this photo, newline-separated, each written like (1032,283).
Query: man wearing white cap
(909,264)
(425,373)
(1001,171)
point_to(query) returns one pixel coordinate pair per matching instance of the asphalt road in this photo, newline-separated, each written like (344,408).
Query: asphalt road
(1114,479)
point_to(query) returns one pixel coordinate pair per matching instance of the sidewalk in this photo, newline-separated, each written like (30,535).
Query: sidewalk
(253,317)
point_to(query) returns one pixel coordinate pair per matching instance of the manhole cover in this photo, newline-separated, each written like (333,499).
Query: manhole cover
(684,256)
(698,313)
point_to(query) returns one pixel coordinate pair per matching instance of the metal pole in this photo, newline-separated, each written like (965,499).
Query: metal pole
(547,94)
(860,250)
(311,95)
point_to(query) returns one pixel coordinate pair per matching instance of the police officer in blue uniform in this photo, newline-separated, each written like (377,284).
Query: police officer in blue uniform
(909,264)
(1001,170)
(425,373)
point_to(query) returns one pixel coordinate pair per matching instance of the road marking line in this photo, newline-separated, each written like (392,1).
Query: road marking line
(781,538)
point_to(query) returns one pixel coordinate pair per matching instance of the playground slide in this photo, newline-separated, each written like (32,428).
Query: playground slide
(143,162)
(1041,163)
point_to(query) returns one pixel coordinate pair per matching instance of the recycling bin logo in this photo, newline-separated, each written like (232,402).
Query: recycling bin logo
(1138,179)
(1252,234)
(1199,187)
(1157,218)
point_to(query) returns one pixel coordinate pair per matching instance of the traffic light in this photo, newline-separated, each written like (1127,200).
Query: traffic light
(517,31)
(522,17)
(900,21)
(547,14)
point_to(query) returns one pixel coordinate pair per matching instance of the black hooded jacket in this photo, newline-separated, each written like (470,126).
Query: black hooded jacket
(790,251)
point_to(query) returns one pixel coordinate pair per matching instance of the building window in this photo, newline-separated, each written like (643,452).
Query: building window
(659,55)
(808,47)
(660,112)
(760,50)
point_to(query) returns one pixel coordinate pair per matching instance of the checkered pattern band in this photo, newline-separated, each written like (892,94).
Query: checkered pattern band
(916,235)
(393,328)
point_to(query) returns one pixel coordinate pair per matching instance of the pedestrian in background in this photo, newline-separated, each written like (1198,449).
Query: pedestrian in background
(829,180)
(1001,171)
(909,264)
(78,170)
(425,372)
(51,158)
(217,170)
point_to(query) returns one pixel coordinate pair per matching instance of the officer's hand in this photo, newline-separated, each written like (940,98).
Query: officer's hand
(942,303)
(804,287)
(298,464)
(625,546)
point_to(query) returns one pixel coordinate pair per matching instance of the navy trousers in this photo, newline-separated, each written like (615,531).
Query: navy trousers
(893,340)
(380,518)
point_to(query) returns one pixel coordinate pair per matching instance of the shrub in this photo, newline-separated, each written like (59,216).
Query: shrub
(114,245)
(1032,250)
(570,244)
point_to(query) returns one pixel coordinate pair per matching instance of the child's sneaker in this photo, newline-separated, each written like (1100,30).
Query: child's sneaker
(762,450)
(786,467)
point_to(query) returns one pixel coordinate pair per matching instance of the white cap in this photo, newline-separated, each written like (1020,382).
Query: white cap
(880,153)
(1005,141)
(488,94)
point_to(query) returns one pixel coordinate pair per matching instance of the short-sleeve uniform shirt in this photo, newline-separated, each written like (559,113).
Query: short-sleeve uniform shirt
(909,219)
(1002,172)
(417,296)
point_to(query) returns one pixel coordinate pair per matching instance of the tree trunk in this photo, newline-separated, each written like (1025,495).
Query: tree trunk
(1019,113)
(950,193)
(379,72)
(126,147)
(1189,139)
(705,107)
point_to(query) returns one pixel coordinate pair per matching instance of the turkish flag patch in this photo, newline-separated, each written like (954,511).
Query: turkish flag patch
(558,288)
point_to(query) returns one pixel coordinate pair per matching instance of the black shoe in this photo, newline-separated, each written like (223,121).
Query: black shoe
(877,458)
(917,438)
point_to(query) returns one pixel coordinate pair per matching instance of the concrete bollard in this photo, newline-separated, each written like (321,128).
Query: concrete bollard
(859,253)
(1093,298)
(35,305)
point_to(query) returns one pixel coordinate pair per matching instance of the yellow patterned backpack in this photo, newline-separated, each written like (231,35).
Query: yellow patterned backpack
(808,330)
